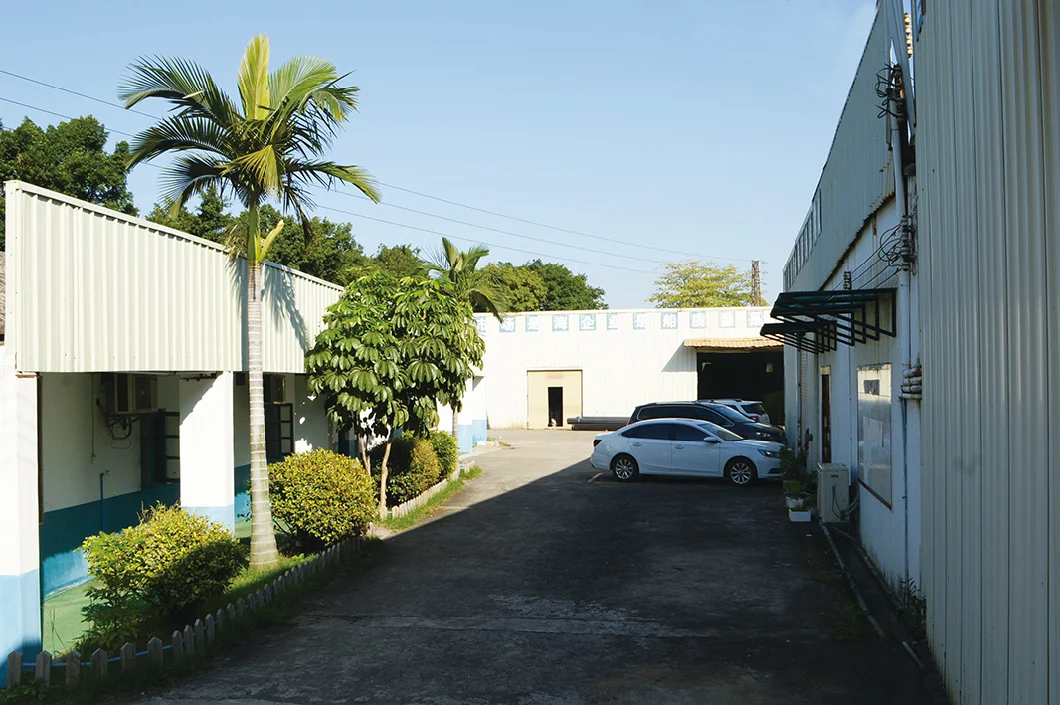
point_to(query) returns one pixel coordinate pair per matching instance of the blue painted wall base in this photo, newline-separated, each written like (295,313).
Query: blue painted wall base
(20,618)
(225,516)
(64,530)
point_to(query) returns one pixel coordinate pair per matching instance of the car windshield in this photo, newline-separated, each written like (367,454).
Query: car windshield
(730,414)
(755,408)
(718,431)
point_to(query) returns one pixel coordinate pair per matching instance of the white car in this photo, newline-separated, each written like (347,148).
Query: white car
(751,409)
(684,447)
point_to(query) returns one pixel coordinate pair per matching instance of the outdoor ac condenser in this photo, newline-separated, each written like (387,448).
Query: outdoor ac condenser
(833,492)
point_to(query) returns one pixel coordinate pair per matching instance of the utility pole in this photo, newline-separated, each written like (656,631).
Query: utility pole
(756,283)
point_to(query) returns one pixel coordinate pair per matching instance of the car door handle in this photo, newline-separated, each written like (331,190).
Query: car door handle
(678,447)
(635,443)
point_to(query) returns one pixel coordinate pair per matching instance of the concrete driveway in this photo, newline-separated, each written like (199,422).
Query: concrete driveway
(537,586)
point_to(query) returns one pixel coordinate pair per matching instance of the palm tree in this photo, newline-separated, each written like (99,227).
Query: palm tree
(270,146)
(468,282)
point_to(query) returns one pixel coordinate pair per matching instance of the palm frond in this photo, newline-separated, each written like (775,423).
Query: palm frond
(326,173)
(253,78)
(190,174)
(187,85)
(178,133)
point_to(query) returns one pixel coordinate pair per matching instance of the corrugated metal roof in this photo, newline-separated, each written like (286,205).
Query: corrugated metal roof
(732,343)
(856,179)
(92,289)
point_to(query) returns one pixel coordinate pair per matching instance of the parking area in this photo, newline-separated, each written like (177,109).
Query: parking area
(539,584)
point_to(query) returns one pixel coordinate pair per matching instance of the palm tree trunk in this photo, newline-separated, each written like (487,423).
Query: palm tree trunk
(455,426)
(382,477)
(263,552)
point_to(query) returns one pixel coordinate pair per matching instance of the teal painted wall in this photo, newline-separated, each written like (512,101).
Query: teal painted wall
(242,492)
(64,530)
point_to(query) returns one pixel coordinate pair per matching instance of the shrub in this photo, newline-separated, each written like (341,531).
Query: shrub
(412,468)
(446,449)
(322,497)
(169,562)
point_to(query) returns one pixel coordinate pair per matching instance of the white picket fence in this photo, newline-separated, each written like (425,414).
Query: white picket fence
(417,502)
(192,644)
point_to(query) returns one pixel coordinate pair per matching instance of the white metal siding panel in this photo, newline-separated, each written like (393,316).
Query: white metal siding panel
(96,290)
(988,141)
(857,177)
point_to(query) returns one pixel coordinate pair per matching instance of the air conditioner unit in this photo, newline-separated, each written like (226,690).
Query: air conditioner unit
(129,394)
(275,389)
(833,492)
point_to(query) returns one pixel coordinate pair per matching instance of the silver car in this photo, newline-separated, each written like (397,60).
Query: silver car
(684,447)
(751,409)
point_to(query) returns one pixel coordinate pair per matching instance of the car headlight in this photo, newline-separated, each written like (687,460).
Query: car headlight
(769,453)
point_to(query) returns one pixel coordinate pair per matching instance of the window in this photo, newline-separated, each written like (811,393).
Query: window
(721,432)
(688,433)
(654,431)
(754,409)
(655,412)
(279,430)
(731,416)
(874,430)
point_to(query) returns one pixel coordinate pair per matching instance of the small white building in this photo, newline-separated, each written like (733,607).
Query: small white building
(122,384)
(542,368)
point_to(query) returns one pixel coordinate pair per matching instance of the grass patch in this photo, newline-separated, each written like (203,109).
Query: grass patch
(420,513)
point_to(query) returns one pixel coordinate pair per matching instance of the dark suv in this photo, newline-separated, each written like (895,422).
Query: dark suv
(715,413)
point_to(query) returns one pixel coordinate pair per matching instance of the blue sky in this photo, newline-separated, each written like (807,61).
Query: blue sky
(692,126)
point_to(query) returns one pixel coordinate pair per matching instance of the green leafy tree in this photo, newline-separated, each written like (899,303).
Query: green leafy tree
(70,158)
(210,221)
(268,146)
(565,290)
(520,287)
(390,352)
(468,283)
(400,261)
(693,284)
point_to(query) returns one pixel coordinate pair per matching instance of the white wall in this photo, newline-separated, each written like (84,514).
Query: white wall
(620,368)
(207,458)
(883,529)
(310,417)
(76,447)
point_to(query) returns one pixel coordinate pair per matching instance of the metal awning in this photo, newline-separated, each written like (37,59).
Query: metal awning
(733,344)
(816,321)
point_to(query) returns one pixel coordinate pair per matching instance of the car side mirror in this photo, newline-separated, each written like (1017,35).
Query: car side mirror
(711,439)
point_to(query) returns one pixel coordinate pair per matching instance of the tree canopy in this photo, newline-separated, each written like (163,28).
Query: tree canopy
(398,260)
(521,288)
(693,284)
(565,290)
(70,158)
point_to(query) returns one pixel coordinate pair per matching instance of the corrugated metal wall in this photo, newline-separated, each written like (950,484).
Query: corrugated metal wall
(91,289)
(856,179)
(988,148)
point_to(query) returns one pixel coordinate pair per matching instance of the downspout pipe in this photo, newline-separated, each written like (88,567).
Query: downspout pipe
(905,313)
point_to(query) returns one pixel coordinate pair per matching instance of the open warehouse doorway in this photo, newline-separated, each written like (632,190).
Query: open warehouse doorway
(744,374)
(553,396)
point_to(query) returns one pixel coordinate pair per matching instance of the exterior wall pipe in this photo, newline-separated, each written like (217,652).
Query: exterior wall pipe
(905,310)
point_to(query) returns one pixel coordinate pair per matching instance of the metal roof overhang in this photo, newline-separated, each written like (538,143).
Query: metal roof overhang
(848,316)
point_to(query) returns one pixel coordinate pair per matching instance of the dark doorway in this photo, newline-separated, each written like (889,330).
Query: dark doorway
(826,418)
(756,375)
(555,406)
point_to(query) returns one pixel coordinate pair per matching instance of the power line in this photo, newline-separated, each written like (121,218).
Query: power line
(465,239)
(535,223)
(557,228)
(504,232)
(78,93)
(381,220)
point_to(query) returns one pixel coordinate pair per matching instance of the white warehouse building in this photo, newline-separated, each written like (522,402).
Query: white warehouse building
(541,369)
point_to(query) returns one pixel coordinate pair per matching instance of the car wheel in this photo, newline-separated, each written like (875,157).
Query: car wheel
(624,468)
(741,472)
